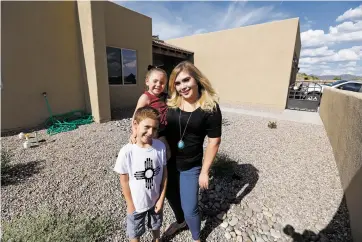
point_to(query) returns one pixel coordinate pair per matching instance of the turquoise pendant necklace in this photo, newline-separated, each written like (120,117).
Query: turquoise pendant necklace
(181,144)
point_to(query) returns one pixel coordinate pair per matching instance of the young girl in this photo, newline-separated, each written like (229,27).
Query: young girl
(155,97)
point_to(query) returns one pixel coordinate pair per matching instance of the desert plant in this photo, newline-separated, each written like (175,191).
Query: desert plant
(222,166)
(45,225)
(272,124)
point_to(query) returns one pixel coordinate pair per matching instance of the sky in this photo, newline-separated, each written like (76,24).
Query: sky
(331,32)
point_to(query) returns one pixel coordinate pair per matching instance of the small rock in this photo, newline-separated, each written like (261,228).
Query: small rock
(255,208)
(269,222)
(218,188)
(278,227)
(259,216)
(233,221)
(265,227)
(239,238)
(227,235)
(268,214)
(258,239)
(249,232)
(249,213)
(238,232)
(233,234)
(265,238)
(221,216)
(224,225)
(224,206)
(252,237)
(275,233)
(319,227)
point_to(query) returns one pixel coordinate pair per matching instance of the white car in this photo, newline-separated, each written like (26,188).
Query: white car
(314,91)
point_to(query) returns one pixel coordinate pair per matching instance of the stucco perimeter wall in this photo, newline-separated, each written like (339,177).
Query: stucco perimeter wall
(127,29)
(40,53)
(341,113)
(248,65)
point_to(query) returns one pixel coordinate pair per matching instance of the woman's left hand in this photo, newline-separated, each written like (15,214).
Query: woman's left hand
(204,181)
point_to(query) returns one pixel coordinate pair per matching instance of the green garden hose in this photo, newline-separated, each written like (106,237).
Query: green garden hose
(65,122)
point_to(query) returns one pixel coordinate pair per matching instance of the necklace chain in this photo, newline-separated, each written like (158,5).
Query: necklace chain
(179,120)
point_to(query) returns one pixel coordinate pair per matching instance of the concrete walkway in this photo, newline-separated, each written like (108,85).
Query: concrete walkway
(289,115)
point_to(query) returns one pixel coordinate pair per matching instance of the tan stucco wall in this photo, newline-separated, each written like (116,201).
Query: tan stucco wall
(60,48)
(341,113)
(248,65)
(130,30)
(91,16)
(40,52)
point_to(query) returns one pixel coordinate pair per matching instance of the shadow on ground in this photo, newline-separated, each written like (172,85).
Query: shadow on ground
(338,230)
(18,173)
(230,183)
(122,113)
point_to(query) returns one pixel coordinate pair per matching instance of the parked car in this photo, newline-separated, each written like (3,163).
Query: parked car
(314,91)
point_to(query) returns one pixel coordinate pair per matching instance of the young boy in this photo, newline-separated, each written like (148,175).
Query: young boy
(143,176)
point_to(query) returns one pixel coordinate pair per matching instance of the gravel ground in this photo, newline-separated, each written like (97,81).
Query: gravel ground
(283,176)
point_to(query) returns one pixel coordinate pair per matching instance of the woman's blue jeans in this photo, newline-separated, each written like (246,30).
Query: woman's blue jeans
(189,191)
(182,195)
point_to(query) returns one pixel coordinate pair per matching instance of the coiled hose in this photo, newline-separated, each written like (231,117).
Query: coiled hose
(67,121)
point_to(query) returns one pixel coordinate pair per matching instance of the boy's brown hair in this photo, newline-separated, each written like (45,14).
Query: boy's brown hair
(146,112)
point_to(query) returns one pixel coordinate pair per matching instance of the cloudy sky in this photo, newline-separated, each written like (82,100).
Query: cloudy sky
(331,32)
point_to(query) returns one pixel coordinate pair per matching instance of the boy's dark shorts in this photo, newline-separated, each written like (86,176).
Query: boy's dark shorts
(136,222)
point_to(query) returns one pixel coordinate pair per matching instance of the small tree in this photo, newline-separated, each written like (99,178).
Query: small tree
(336,78)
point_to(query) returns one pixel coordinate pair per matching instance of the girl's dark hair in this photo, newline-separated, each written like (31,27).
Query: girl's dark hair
(152,68)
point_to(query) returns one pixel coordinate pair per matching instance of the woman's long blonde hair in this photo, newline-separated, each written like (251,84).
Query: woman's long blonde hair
(208,97)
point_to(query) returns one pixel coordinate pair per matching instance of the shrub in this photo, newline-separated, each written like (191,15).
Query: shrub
(223,166)
(49,226)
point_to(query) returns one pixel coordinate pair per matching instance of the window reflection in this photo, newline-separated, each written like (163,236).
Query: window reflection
(122,66)
(129,60)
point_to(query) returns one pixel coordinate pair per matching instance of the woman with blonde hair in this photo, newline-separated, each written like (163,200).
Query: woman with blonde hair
(193,113)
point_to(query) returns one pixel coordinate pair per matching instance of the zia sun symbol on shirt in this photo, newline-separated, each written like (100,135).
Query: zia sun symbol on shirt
(148,174)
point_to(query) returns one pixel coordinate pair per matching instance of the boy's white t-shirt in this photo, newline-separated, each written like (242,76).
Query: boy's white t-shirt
(144,167)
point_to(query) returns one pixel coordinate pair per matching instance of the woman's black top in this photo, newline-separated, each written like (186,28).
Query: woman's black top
(201,124)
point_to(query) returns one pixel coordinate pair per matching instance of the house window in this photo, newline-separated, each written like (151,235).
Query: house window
(122,66)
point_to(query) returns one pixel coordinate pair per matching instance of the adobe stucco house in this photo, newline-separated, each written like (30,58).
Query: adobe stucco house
(94,55)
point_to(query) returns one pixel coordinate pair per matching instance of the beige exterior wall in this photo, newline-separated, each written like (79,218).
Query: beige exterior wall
(341,113)
(136,34)
(60,48)
(40,53)
(248,65)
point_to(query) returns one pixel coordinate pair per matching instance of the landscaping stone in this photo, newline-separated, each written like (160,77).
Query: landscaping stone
(77,176)
(227,235)
(233,222)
